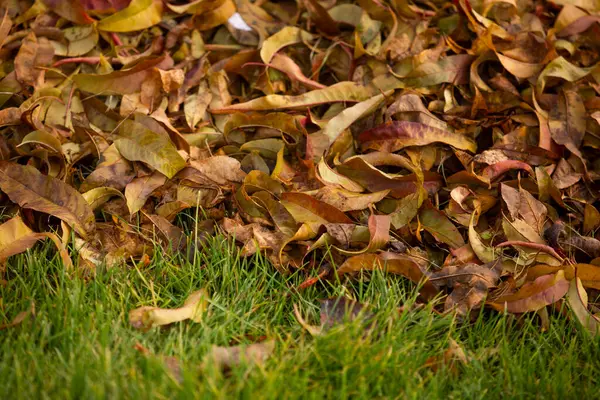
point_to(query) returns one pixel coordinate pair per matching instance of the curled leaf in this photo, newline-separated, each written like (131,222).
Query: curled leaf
(577,298)
(15,238)
(98,196)
(138,190)
(535,295)
(125,81)
(396,135)
(343,91)
(285,37)
(193,308)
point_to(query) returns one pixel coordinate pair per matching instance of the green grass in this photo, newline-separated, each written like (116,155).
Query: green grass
(80,344)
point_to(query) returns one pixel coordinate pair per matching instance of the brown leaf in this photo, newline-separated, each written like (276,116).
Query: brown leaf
(397,135)
(33,54)
(125,81)
(140,189)
(470,284)
(343,91)
(113,171)
(361,171)
(69,10)
(307,209)
(591,219)
(10,116)
(435,222)
(498,169)
(335,311)
(138,143)
(521,203)
(193,308)
(564,175)
(19,318)
(226,358)
(222,170)
(453,356)
(171,235)
(577,298)
(321,18)
(567,121)
(393,263)
(345,200)
(535,295)
(15,238)
(27,187)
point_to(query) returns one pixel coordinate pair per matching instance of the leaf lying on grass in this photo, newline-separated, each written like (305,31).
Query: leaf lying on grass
(16,237)
(19,318)
(578,301)
(221,358)
(193,308)
(334,312)
(535,295)
(226,358)
(451,359)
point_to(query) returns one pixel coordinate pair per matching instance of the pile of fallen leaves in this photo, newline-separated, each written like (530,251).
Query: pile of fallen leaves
(454,143)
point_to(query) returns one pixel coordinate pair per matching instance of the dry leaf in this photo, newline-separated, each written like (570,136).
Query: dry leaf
(193,308)
(226,358)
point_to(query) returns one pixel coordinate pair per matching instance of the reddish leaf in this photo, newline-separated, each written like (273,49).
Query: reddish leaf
(397,135)
(306,208)
(535,295)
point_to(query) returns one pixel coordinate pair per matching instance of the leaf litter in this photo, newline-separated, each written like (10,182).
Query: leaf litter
(454,144)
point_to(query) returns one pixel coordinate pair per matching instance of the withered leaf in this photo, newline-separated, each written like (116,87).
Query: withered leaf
(397,135)
(567,120)
(138,143)
(393,263)
(140,14)
(343,91)
(19,318)
(535,295)
(29,188)
(453,69)
(193,308)
(70,10)
(435,222)
(577,298)
(285,37)
(230,357)
(307,209)
(100,195)
(125,81)
(138,190)
(345,200)
(15,238)
(222,170)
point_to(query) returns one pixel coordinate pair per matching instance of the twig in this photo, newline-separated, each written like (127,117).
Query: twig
(116,39)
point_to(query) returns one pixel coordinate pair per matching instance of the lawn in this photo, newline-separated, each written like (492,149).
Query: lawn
(81,345)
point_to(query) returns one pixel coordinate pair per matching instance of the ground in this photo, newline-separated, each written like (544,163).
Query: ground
(81,345)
